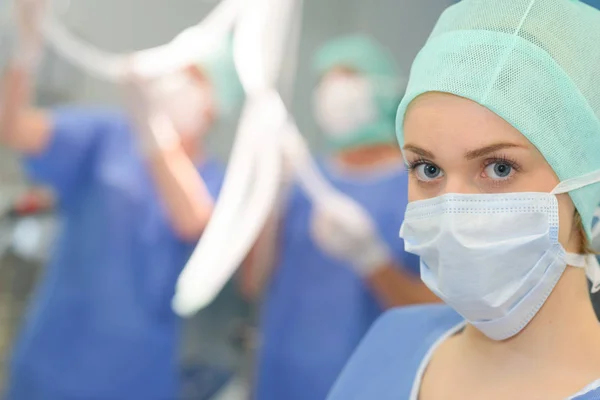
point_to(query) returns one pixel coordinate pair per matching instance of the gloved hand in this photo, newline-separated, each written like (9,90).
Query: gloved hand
(29,40)
(155,131)
(343,229)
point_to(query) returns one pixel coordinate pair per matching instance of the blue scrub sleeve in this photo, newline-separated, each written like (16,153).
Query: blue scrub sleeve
(68,159)
(212,174)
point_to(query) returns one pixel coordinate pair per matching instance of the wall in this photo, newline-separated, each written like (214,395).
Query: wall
(122,25)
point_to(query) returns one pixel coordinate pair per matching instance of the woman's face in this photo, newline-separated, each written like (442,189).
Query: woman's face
(454,145)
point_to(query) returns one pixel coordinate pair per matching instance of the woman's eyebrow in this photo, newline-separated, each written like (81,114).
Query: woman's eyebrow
(483,151)
(419,151)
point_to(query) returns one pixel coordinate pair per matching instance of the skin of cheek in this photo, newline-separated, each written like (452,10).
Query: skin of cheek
(567,231)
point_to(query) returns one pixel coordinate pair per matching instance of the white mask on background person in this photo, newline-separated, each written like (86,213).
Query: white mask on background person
(494,258)
(185,102)
(344,104)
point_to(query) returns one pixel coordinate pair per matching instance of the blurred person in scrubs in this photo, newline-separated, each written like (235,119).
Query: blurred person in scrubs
(330,284)
(134,196)
(500,126)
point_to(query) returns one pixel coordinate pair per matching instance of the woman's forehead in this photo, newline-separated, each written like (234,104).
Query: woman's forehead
(448,121)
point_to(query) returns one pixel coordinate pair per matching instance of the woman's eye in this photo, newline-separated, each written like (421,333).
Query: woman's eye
(499,170)
(428,172)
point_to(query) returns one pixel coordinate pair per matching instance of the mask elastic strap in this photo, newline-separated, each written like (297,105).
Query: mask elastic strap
(576,260)
(589,261)
(591,265)
(577,183)
(593,272)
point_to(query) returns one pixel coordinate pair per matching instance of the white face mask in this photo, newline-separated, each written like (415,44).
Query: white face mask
(494,258)
(184,102)
(344,104)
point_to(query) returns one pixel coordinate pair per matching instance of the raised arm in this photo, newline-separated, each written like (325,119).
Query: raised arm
(23,127)
(184,193)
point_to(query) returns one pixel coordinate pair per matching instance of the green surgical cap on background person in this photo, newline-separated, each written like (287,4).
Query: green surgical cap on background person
(368,58)
(219,69)
(535,63)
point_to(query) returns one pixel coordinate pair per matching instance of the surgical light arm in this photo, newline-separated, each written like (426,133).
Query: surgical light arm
(254,171)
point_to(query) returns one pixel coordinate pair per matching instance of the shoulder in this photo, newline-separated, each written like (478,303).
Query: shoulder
(426,314)
(413,322)
(390,355)
(85,123)
(591,392)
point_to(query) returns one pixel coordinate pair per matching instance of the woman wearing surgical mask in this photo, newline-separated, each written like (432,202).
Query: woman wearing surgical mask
(501,128)
(134,194)
(333,280)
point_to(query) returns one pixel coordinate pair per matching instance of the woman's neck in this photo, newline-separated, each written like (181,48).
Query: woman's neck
(564,332)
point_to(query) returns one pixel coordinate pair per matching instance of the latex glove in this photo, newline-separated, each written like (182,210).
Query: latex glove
(29,44)
(155,131)
(343,229)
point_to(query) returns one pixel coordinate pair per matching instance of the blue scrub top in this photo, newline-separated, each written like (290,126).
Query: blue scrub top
(100,326)
(389,360)
(317,309)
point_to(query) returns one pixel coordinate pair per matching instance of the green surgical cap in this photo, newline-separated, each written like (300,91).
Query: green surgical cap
(367,57)
(535,63)
(219,68)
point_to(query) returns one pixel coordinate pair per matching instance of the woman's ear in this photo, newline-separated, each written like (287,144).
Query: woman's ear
(584,245)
